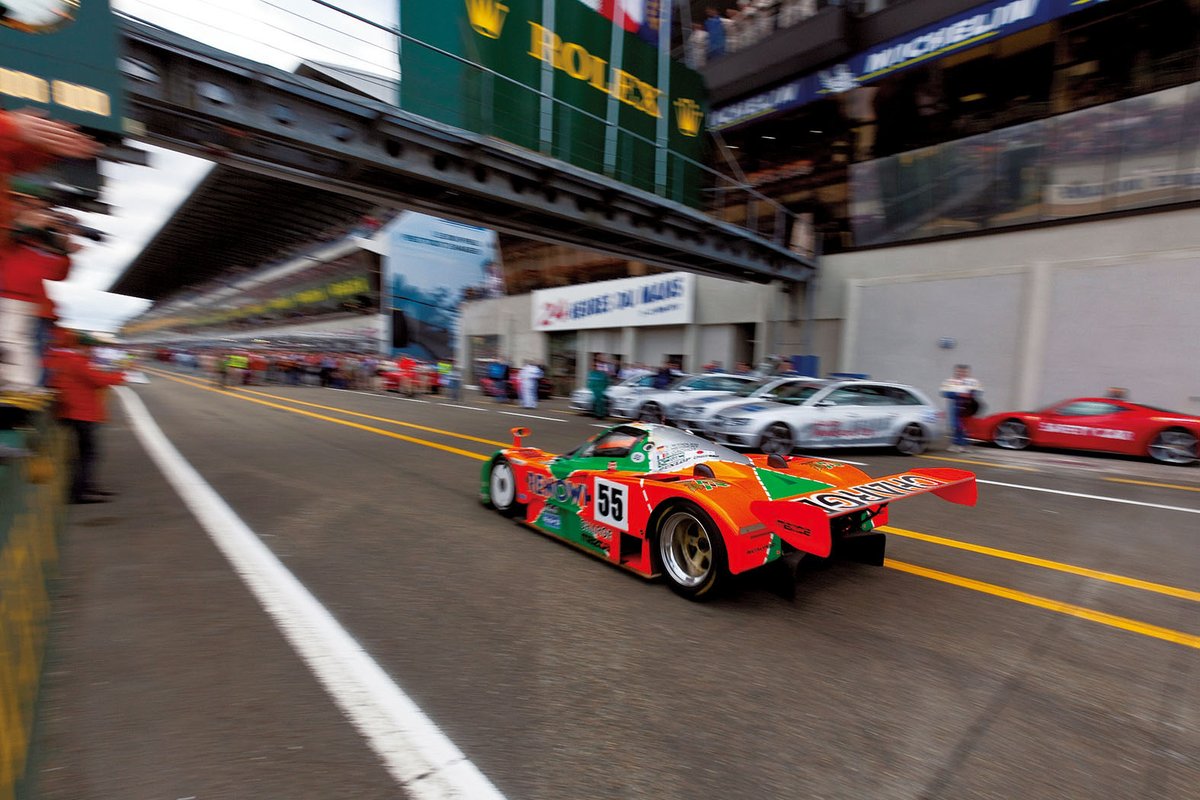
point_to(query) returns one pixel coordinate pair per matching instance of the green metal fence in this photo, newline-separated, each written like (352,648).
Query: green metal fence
(32,512)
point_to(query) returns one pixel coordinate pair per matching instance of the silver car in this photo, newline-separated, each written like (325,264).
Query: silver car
(581,399)
(839,414)
(663,405)
(698,415)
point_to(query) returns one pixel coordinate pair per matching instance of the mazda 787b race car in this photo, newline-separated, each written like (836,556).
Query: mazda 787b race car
(657,500)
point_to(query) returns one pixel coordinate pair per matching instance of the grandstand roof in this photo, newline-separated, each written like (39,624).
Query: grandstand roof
(234,219)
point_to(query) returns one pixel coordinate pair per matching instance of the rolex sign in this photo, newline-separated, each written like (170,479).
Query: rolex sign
(567,78)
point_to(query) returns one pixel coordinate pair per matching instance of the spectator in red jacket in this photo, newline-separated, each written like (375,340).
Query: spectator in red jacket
(27,142)
(82,388)
(38,253)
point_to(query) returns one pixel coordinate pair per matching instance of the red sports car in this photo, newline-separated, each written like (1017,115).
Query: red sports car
(1096,423)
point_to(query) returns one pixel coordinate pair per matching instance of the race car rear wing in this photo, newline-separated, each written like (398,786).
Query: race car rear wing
(805,522)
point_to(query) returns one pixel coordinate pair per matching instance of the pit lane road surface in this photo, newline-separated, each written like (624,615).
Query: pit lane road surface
(1043,644)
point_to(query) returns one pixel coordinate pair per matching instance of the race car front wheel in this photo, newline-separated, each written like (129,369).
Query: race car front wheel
(502,488)
(1174,446)
(691,552)
(1012,434)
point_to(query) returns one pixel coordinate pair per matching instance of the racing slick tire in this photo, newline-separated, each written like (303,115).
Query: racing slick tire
(502,489)
(777,439)
(690,552)
(1174,446)
(651,412)
(1011,434)
(913,440)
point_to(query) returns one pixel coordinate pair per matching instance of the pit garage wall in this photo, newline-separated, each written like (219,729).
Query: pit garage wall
(721,306)
(1041,315)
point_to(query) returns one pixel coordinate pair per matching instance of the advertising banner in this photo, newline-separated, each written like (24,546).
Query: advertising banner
(61,56)
(559,78)
(430,266)
(983,23)
(668,299)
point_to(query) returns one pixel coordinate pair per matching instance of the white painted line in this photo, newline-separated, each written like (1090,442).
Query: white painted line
(468,408)
(1092,497)
(413,749)
(530,416)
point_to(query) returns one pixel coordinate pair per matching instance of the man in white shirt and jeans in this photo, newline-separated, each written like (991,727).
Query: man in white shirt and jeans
(962,391)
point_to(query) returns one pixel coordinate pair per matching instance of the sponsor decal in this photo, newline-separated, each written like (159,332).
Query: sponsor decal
(791,527)
(1085,430)
(824,465)
(550,519)
(595,535)
(752,407)
(562,491)
(869,494)
(859,429)
(706,484)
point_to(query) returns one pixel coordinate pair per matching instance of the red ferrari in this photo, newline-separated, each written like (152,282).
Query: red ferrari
(1096,423)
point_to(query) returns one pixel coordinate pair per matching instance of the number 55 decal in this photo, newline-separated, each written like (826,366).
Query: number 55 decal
(612,504)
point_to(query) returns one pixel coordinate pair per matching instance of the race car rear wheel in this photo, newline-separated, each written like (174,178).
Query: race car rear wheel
(777,438)
(1174,446)
(1012,434)
(502,488)
(912,441)
(690,551)
(651,412)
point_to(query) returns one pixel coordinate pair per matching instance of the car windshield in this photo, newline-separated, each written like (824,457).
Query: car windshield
(795,393)
(675,440)
(752,389)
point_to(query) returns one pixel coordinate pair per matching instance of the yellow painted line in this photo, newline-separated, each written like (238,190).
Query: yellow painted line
(1111,620)
(1152,483)
(347,423)
(372,417)
(980,463)
(1058,566)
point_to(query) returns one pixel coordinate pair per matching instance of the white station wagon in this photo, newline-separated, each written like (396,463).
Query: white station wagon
(838,414)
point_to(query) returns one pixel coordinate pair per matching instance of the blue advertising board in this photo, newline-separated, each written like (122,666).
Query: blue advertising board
(983,23)
(430,266)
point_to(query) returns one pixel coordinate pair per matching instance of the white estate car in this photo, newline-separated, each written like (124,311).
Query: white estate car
(661,406)
(581,399)
(697,415)
(838,414)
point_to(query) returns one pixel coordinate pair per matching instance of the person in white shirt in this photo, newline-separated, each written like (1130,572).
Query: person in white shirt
(962,391)
(527,379)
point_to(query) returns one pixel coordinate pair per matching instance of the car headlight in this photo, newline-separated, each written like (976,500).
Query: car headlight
(738,422)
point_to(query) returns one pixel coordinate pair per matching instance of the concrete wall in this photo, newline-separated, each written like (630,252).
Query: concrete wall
(1040,314)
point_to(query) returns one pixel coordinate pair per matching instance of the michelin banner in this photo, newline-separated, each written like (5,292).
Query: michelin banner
(984,23)
(668,299)
(430,266)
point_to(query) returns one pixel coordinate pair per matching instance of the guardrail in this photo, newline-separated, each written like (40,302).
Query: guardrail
(32,511)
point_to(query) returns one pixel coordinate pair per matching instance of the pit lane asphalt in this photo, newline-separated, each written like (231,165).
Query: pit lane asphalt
(561,677)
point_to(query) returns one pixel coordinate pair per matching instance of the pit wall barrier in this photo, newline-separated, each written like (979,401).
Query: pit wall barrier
(33,473)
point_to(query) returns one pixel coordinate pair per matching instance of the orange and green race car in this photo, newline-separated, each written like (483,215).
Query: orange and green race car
(658,500)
